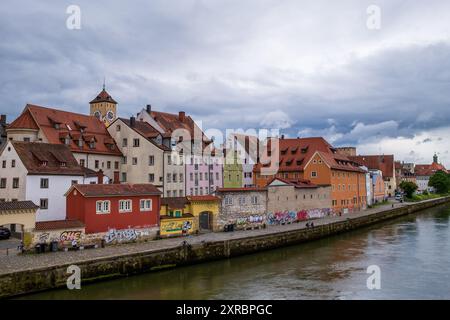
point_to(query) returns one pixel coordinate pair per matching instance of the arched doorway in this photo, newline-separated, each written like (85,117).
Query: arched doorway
(205,220)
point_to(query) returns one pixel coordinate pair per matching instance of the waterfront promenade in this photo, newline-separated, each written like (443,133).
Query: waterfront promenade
(15,263)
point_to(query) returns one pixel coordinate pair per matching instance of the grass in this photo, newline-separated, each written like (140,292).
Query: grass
(378,204)
(421,197)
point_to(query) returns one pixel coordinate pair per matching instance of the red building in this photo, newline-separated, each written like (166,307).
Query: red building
(114,206)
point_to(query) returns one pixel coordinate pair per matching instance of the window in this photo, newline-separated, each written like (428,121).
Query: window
(151,177)
(124,177)
(124,142)
(108,164)
(125,205)
(118,127)
(145,204)
(74,182)
(201,191)
(254,200)
(174,193)
(4,164)
(313,174)
(134,161)
(43,204)
(136,142)
(181,178)
(2,183)
(217,176)
(151,160)
(169,159)
(116,165)
(174,177)
(228,201)
(124,160)
(102,206)
(191,176)
(82,162)
(97,164)
(168,193)
(15,183)
(169,177)
(26,139)
(13,163)
(241,200)
(181,193)
(44,183)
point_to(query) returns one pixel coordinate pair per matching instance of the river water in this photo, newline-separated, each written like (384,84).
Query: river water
(413,254)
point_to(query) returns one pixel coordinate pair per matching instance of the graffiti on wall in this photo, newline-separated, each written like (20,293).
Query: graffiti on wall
(121,235)
(285,217)
(70,236)
(174,227)
(43,237)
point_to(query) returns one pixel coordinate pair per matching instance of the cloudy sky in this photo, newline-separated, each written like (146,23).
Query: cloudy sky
(309,68)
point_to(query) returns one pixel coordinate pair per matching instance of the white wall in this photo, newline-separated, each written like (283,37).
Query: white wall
(19,171)
(58,185)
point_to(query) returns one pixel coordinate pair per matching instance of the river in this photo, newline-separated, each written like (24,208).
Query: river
(413,254)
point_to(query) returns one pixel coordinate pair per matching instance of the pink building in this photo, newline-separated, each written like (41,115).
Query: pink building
(203,175)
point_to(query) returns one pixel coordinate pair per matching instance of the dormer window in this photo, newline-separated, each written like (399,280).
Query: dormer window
(80,143)
(92,144)
(44,163)
(63,164)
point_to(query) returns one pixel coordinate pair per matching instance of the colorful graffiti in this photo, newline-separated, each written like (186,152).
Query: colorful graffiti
(70,236)
(121,235)
(285,217)
(173,227)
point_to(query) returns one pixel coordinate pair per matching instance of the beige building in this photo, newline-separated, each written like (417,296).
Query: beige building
(148,157)
(104,107)
(18,216)
(86,136)
(284,195)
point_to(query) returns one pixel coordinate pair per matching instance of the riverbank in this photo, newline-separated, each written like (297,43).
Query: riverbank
(26,274)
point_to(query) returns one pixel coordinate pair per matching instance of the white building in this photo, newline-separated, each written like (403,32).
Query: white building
(42,173)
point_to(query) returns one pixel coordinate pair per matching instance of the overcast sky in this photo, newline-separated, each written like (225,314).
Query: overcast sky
(310,68)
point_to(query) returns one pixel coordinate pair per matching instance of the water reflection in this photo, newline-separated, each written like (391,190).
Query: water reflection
(413,254)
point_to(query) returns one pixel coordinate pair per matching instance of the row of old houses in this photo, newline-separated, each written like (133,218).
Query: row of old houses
(157,173)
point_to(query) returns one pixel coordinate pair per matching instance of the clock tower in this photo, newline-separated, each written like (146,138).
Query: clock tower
(104,107)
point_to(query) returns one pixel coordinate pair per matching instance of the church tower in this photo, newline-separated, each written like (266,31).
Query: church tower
(104,107)
(435,158)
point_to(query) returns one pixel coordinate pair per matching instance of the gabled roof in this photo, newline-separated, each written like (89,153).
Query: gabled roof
(17,205)
(147,131)
(385,163)
(46,158)
(97,190)
(299,183)
(103,96)
(74,124)
(428,169)
(294,154)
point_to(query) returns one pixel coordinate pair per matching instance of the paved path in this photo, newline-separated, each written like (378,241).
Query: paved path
(33,261)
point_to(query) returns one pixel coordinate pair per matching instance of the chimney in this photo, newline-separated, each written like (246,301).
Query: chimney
(282,136)
(181,116)
(3,119)
(116,177)
(132,121)
(100,176)
(149,108)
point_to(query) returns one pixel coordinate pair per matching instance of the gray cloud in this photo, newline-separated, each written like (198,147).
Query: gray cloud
(308,68)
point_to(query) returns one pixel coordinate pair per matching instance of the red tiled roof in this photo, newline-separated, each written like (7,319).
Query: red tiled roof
(46,158)
(294,154)
(174,202)
(96,190)
(37,117)
(103,96)
(58,224)
(300,183)
(428,169)
(17,205)
(147,131)
(385,163)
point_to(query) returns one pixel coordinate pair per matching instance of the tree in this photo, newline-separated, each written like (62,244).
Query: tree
(440,181)
(409,188)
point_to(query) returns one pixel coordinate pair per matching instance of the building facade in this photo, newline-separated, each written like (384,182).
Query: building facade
(203,174)
(104,107)
(423,173)
(314,159)
(104,207)
(243,207)
(86,136)
(41,173)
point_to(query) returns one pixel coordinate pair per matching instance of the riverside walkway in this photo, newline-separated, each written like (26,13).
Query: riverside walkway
(15,263)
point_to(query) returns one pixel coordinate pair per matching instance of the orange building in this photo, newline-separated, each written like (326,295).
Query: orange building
(314,159)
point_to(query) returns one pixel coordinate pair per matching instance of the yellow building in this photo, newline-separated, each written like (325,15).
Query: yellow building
(187,215)
(104,107)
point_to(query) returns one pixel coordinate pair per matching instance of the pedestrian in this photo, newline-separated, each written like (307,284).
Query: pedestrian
(307,225)
(74,244)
